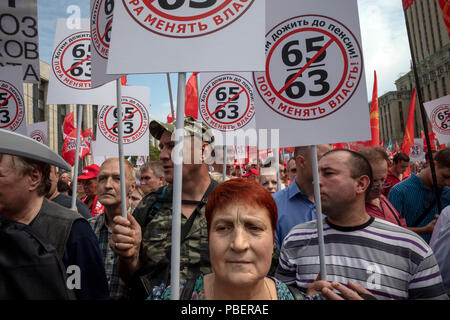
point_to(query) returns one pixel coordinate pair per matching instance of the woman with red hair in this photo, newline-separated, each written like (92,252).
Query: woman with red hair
(241,217)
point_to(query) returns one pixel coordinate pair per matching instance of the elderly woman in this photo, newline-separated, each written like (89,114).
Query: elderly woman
(241,217)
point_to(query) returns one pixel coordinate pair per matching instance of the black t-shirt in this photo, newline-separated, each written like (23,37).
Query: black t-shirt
(66,201)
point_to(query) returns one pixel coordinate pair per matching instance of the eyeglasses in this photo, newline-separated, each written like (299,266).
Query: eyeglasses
(382,185)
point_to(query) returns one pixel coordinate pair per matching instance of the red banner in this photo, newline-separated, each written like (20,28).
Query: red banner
(191,104)
(374,115)
(407,4)
(445,8)
(70,141)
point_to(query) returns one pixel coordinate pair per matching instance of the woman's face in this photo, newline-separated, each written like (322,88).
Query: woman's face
(241,244)
(135,198)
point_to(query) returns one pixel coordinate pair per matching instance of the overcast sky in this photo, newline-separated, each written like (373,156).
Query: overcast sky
(383,32)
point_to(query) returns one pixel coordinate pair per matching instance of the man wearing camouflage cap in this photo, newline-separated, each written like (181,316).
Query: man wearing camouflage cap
(143,241)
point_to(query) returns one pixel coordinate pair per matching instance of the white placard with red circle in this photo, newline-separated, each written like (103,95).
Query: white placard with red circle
(101,28)
(416,153)
(38,131)
(12,104)
(136,119)
(438,112)
(187,35)
(227,103)
(313,88)
(71,70)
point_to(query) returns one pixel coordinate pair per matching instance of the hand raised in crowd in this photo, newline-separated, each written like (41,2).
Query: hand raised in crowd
(125,242)
(326,289)
(430,226)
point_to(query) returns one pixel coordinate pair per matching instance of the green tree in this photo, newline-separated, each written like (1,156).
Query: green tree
(154,153)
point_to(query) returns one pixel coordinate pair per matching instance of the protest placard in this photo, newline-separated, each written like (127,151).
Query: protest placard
(136,119)
(313,88)
(12,104)
(19,37)
(186,36)
(70,74)
(438,112)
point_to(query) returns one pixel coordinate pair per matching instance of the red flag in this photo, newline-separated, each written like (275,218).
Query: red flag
(374,115)
(355,146)
(123,80)
(408,138)
(289,149)
(445,8)
(191,104)
(68,125)
(169,118)
(407,4)
(70,141)
(339,146)
(433,138)
(397,149)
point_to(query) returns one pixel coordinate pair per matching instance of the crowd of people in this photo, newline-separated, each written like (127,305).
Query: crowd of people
(252,235)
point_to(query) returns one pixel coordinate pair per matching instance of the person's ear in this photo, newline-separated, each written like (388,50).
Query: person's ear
(131,189)
(362,183)
(300,161)
(34,178)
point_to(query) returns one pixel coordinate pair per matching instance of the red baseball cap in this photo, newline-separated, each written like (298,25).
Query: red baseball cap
(89,172)
(250,172)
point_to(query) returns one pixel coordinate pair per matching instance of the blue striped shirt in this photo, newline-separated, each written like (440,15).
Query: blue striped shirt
(389,261)
(410,199)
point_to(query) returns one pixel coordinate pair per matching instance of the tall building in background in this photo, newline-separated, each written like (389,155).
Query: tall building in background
(431,46)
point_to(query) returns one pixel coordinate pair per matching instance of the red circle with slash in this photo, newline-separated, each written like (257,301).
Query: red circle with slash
(11,103)
(136,121)
(153,17)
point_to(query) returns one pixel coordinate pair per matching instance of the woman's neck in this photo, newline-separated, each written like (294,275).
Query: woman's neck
(219,290)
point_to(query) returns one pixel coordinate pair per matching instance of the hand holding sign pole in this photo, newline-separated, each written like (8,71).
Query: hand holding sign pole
(182,29)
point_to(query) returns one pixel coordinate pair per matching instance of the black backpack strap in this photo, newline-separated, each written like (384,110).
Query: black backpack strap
(157,205)
(188,289)
(393,213)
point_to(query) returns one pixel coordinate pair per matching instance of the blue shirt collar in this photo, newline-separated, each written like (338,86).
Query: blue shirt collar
(294,190)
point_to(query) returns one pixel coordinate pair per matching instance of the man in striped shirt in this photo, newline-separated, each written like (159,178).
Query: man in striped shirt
(390,261)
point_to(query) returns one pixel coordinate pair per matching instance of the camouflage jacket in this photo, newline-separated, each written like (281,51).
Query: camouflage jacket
(157,231)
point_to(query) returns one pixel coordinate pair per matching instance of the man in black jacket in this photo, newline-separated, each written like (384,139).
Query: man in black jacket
(24,182)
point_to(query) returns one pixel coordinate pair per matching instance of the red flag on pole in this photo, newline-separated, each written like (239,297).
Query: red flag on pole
(123,80)
(169,118)
(70,141)
(408,138)
(432,138)
(374,115)
(407,4)
(445,8)
(191,104)
(397,149)
(68,125)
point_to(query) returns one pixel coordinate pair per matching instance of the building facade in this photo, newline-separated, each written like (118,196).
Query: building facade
(431,47)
